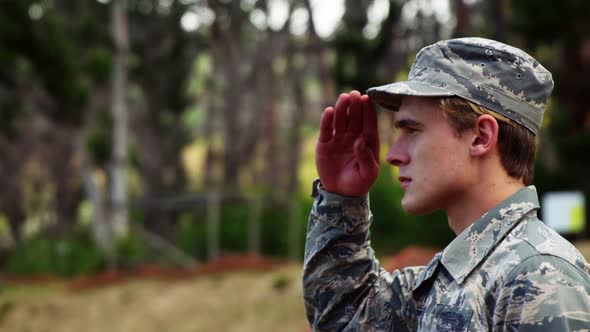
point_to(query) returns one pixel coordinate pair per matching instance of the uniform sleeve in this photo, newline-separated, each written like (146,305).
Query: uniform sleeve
(343,286)
(544,293)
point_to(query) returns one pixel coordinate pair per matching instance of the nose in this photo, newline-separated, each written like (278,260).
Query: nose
(396,155)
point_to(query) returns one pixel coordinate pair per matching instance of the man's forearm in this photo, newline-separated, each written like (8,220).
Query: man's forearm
(344,287)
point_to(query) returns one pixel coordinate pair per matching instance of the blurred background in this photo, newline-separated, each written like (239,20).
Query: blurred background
(174,139)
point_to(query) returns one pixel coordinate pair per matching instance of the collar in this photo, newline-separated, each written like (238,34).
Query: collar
(427,273)
(468,249)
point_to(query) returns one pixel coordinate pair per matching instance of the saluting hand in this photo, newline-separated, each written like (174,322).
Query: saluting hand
(347,152)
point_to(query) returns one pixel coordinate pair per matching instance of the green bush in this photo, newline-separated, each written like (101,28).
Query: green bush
(192,232)
(192,235)
(74,255)
(67,257)
(131,251)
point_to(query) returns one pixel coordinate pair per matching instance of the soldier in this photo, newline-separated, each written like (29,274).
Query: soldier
(467,120)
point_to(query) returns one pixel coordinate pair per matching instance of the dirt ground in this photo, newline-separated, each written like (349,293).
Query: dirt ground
(230,301)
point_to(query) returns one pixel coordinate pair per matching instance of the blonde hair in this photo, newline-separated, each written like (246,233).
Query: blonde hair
(516,143)
(462,108)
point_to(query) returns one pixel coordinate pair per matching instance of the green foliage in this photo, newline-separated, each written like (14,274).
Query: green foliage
(393,229)
(76,255)
(188,235)
(100,64)
(275,222)
(131,251)
(235,220)
(542,20)
(193,118)
(99,146)
(192,232)
(571,165)
(134,155)
(63,256)
(99,140)
(67,53)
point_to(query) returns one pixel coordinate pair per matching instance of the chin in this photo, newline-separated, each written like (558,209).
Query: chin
(416,207)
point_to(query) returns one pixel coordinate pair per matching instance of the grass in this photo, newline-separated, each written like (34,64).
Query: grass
(237,301)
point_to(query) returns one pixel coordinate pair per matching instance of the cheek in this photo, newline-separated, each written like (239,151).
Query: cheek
(441,163)
(456,167)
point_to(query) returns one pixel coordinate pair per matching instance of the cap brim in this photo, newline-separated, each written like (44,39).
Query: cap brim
(390,95)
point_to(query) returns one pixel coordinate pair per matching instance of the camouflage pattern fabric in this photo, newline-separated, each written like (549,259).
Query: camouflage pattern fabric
(497,76)
(506,272)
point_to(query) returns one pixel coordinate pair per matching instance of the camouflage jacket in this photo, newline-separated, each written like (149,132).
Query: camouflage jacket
(506,272)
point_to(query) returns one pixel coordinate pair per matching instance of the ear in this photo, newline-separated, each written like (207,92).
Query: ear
(485,135)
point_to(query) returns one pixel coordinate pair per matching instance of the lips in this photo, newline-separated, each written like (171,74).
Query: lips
(404,182)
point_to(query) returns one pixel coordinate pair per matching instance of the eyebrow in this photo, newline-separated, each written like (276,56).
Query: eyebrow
(405,123)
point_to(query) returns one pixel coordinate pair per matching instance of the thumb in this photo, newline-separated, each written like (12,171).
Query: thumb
(368,165)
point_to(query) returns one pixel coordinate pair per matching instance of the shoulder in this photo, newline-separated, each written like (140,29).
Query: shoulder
(543,262)
(533,247)
(545,243)
(544,293)
(547,271)
(548,287)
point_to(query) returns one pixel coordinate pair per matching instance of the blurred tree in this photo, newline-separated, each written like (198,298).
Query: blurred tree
(318,55)
(248,58)
(362,62)
(119,211)
(498,12)
(160,63)
(563,46)
(463,19)
(352,48)
(48,61)
(569,40)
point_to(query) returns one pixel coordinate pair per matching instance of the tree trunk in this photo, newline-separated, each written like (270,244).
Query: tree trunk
(66,177)
(207,134)
(271,138)
(119,109)
(498,12)
(294,157)
(100,227)
(226,51)
(233,134)
(320,53)
(462,14)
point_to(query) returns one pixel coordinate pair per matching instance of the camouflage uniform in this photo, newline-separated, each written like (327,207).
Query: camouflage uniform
(506,272)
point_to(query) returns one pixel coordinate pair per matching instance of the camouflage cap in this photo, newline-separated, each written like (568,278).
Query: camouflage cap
(491,74)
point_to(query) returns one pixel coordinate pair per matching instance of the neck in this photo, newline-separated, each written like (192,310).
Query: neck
(479,199)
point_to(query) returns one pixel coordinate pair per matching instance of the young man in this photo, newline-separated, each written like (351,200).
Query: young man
(467,120)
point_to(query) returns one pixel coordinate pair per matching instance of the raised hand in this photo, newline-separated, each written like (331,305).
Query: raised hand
(347,152)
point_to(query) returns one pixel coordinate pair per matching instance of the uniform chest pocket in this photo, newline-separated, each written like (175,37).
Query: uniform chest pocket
(447,318)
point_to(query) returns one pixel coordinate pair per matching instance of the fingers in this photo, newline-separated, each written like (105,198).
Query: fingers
(368,162)
(370,126)
(369,116)
(326,125)
(340,114)
(355,114)
(352,114)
